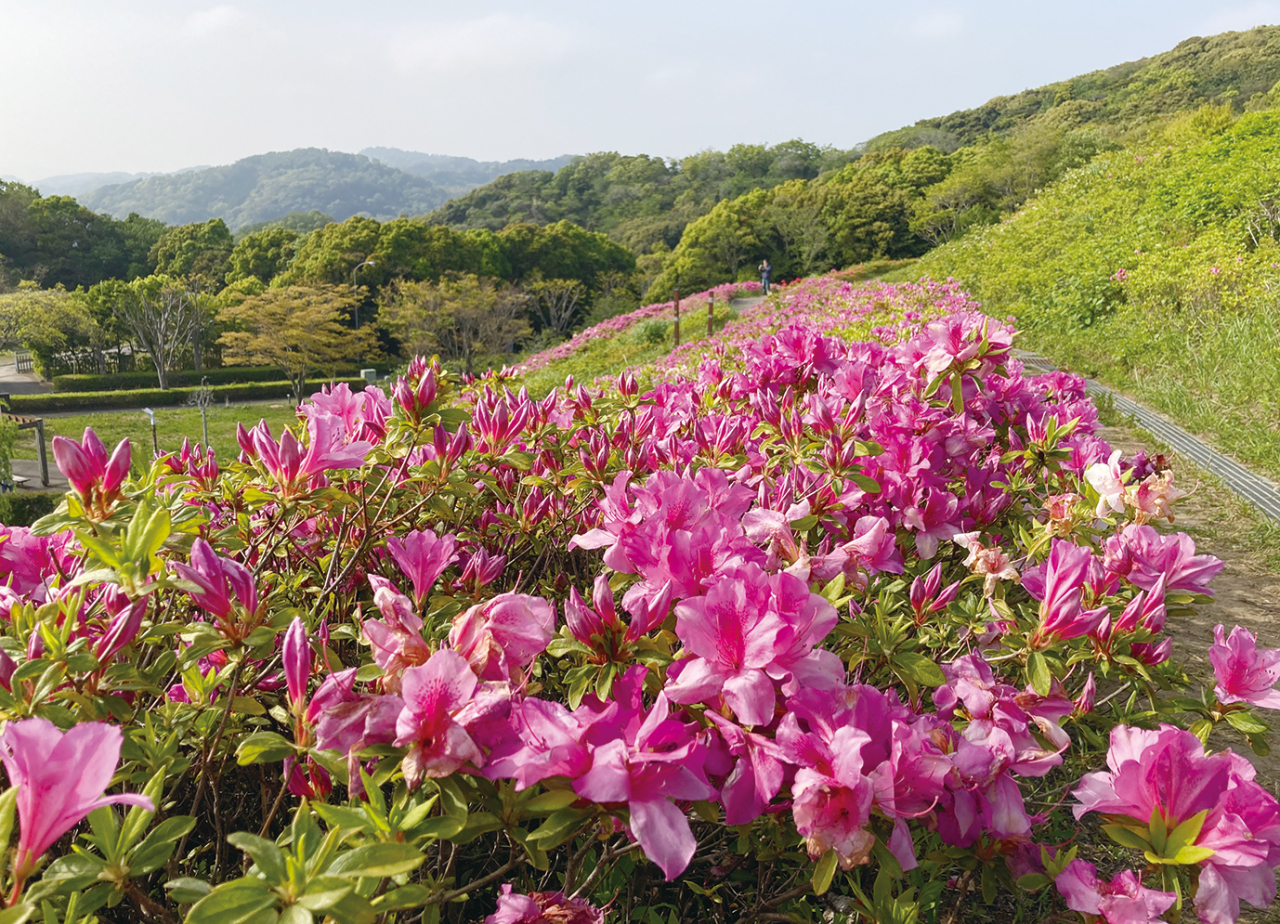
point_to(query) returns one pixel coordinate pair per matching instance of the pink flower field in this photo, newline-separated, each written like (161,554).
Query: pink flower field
(845,614)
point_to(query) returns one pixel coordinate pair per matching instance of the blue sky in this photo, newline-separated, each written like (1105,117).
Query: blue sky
(142,85)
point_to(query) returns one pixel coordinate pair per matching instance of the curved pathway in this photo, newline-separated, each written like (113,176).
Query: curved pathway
(1251,487)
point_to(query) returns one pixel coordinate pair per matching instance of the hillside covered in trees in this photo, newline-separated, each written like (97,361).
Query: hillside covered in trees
(268,186)
(712,217)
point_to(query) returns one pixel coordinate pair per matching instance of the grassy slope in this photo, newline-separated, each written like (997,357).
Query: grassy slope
(1140,269)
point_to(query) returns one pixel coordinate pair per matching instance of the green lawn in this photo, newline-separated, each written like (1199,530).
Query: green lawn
(172,426)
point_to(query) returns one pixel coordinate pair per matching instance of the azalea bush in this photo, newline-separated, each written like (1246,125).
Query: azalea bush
(816,625)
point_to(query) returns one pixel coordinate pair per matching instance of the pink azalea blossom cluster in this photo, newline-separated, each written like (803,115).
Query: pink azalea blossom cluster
(830,583)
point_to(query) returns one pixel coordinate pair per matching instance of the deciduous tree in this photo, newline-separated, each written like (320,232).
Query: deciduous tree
(298,328)
(462,317)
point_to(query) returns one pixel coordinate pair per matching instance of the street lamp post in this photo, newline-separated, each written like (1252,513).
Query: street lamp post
(353,286)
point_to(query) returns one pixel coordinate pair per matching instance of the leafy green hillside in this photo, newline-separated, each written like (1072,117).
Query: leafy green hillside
(711,218)
(268,186)
(643,202)
(1154,268)
(1234,67)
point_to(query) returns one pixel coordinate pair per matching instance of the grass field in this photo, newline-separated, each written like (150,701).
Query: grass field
(172,426)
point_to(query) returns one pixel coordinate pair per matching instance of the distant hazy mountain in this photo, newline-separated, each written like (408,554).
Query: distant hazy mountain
(458,175)
(77,184)
(268,186)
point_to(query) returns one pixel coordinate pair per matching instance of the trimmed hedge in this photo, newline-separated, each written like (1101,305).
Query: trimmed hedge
(182,378)
(155,397)
(25,507)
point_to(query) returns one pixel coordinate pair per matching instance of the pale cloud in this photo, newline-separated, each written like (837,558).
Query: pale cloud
(212,21)
(938,24)
(1240,18)
(499,41)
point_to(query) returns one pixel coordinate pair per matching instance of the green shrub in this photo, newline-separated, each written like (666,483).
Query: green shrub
(23,509)
(155,397)
(226,375)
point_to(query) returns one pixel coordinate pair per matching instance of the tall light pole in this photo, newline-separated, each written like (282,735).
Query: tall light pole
(353,286)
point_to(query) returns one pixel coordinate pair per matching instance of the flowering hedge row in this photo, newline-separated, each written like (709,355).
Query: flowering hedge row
(819,625)
(612,327)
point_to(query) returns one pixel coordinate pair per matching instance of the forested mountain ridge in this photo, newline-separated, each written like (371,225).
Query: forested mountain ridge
(458,175)
(268,186)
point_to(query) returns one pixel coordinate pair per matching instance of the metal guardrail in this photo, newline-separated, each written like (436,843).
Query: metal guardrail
(1250,486)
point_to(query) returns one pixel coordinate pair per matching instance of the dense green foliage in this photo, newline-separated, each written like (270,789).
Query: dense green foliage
(1155,268)
(639,201)
(57,241)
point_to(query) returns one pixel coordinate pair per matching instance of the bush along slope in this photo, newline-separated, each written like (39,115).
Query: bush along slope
(823,625)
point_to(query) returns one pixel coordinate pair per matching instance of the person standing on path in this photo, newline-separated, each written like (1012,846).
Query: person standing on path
(765,271)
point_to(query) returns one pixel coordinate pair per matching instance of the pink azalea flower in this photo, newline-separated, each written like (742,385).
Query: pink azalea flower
(396,638)
(441,699)
(87,467)
(1141,555)
(543,908)
(296,655)
(423,557)
(1123,900)
(1107,479)
(60,778)
(1062,614)
(293,466)
(1244,674)
(1167,770)
(546,740)
(644,761)
(502,636)
(223,584)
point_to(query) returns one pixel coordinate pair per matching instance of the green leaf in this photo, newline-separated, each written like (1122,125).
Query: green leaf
(240,901)
(1038,674)
(295,914)
(1033,882)
(187,891)
(265,853)
(548,802)
(324,892)
(159,844)
(339,816)
(352,909)
(1189,856)
(376,861)
(452,799)
(1159,832)
(921,669)
(559,827)
(1127,837)
(1244,721)
(74,872)
(18,914)
(1184,834)
(410,896)
(870,485)
(824,871)
(477,823)
(263,748)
